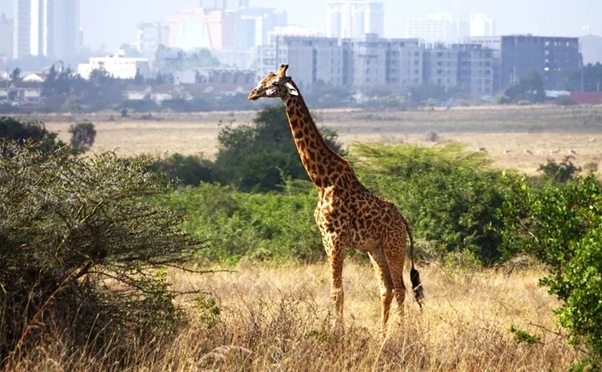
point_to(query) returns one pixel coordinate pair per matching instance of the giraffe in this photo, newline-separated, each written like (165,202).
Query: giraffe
(348,214)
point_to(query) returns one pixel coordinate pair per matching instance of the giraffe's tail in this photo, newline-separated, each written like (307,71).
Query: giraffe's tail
(414,274)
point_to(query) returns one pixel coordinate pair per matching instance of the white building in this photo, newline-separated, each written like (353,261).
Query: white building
(439,28)
(354,18)
(117,66)
(480,25)
(46,28)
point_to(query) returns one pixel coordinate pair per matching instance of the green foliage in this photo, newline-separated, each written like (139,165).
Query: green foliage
(501,99)
(427,93)
(587,78)
(81,247)
(324,95)
(261,155)
(207,310)
(448,194)
(529,88)
(82,136)
(560,172)
(256,226)
(561,225)
(522,337)
(187,170)
(13,129)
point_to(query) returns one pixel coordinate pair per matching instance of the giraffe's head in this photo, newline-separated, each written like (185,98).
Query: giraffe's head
(275,85)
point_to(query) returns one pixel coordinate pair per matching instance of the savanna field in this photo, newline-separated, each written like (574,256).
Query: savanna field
(255,290)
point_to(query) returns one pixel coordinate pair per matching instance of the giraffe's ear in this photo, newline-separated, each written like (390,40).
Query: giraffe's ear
(291,89)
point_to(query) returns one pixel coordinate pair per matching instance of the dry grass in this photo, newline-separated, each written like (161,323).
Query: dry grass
(531,134)
(277,319)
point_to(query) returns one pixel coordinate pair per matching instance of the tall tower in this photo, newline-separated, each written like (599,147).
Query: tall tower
(354,18)
(46,28)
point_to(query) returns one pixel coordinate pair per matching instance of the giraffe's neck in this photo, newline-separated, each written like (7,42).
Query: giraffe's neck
(321,163)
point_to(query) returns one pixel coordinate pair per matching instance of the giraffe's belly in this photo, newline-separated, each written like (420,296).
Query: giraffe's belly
(364,240)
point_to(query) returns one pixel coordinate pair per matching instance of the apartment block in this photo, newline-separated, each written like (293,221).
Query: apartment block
(310,58)
(46,28)
(475,69)
(371,63)
(553,57)
(441,66)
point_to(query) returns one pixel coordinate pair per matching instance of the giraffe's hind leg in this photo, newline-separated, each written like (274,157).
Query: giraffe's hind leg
(381,269)
(395,250)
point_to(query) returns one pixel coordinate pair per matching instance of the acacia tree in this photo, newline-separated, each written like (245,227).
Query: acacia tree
(262,155)
(82,136)
(72,225)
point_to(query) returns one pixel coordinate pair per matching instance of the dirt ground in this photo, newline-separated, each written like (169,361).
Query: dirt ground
(514,137)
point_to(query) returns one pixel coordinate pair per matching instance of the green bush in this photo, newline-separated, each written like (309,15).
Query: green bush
(80,245)
(450,195)
(274,226)
(13,129)
(561,225)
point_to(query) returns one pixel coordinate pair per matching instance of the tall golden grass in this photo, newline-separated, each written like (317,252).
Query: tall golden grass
(279,319)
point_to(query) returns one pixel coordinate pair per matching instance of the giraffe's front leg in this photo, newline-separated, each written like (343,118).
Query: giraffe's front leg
(336,256)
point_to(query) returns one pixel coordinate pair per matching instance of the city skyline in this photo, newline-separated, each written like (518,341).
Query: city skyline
(312,14)
(511,17)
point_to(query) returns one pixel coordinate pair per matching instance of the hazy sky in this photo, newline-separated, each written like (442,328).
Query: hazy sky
(112,22)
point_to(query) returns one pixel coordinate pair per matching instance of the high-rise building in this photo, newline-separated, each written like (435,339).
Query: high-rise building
(46,28)
(6,36)
(352,19)
(439,28)
(258,23)
(211,28)
(554,58)
(480,25)
(224,4)
(150,36)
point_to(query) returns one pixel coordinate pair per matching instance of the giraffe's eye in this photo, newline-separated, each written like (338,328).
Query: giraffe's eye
(275,83)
